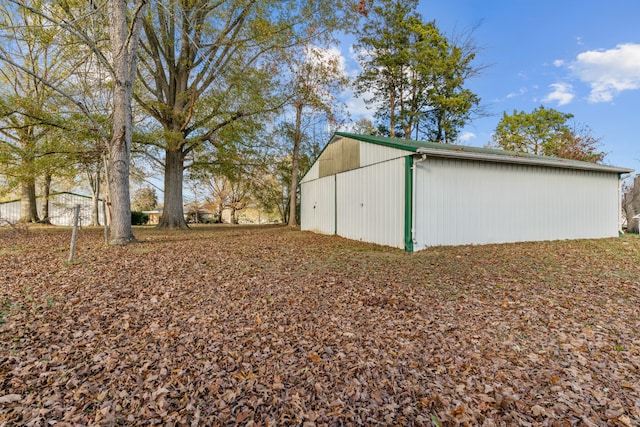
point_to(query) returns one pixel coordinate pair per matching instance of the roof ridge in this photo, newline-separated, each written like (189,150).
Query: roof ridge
(480,153)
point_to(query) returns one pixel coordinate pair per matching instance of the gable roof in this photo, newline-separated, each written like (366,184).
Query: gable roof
(435,149)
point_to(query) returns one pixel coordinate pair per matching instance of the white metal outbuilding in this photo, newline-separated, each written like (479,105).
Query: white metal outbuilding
(61,209)
(415,194)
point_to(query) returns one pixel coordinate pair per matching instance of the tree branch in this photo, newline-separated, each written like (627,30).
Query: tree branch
(80,105)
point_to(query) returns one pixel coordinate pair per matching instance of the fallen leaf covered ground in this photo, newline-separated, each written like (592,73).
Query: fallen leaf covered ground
(271,326)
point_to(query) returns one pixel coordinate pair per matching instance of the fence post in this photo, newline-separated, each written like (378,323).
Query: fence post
(74,235)
(106,225)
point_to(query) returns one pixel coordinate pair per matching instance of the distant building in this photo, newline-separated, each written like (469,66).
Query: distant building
(61,209)
(415,194)
(154,216)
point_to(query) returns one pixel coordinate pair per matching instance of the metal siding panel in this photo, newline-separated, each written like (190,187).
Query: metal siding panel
(472,202)
(10,211)
(373,153)
(61,209)
(370,203)
(317,212)
(312,173)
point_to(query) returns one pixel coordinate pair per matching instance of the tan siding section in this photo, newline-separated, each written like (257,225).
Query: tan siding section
(342,154)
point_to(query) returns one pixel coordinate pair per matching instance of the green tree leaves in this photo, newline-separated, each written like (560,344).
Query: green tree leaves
(546,132)
(209,67)
(414,75)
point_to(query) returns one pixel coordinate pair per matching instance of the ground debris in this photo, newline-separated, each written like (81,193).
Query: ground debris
(271,326)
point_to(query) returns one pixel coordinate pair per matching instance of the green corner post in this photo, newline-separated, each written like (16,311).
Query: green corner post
(408,203)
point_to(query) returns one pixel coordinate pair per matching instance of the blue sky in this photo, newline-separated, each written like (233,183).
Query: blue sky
(579,57)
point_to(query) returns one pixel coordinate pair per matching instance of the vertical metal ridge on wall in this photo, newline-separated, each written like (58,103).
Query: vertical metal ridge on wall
(408,203)
(335,204)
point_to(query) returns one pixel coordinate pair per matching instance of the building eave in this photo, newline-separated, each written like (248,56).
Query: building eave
(526,160)
(455,151)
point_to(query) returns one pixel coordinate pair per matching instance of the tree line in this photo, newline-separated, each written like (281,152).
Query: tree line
(235,94)
(194,87)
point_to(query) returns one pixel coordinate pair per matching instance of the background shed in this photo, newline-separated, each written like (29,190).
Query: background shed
(414,194)
(61,209)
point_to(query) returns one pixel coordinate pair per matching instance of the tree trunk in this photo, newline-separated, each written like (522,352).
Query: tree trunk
(631,206)
(392,112)
(233,217)
(282,211)
(173,211)
(407,132)
(28,206)
(283,206)
(124,51)
(220,209)
(121,231)
(95,199)
(297,139)
(46,190)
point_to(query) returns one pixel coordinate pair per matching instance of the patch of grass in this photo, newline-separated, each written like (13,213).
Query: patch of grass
(50,301)
(11,251)
(141,250)
(14,307)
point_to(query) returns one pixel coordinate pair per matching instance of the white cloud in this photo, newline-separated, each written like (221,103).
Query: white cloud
(356,106)
(562,94)
(326,56)
(466,137)
(520,92)
(609,72)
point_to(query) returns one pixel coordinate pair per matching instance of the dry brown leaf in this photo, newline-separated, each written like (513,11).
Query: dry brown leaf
(10,398)
(217,326)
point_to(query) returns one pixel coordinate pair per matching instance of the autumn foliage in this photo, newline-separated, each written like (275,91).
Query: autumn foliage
(271,326)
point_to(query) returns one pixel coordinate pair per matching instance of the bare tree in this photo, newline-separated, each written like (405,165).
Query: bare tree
(316,81)
(631,205)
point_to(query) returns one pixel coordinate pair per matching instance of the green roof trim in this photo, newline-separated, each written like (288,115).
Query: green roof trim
(399,143)
(479,153)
